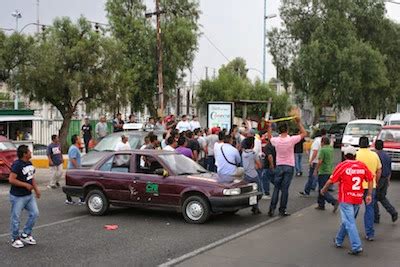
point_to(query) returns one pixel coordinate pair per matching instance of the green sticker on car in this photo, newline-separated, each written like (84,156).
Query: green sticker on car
(152,188)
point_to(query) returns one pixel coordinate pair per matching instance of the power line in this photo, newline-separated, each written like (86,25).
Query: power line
(219,50)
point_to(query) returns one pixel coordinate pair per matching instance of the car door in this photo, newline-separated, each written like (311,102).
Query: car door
(154,188)
(117,178)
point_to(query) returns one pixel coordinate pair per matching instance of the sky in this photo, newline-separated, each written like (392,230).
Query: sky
(235,27)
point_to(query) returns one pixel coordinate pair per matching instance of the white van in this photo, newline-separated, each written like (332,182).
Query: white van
(392,119)
(355,129)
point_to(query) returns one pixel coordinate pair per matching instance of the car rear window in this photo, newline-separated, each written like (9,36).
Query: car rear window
(390,135)
(7,146)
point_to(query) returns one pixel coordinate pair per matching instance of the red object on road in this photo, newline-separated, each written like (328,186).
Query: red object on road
(111,227)
(8,154)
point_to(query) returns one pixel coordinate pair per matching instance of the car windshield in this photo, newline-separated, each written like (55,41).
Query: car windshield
(390,135)
(337,128)
(360,129)
(182,165)
(109,142)
(7,146)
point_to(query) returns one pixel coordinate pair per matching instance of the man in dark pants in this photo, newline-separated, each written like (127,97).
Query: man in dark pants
(383,184)
(284,146)
(324,170)
(86,133)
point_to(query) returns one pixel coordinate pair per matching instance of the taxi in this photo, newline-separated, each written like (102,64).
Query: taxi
(158,179)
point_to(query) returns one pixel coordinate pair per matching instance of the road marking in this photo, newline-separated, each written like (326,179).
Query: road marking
(224,240)
(53,223)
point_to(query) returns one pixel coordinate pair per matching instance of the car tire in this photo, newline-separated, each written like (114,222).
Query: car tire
(195,209)
(96,202)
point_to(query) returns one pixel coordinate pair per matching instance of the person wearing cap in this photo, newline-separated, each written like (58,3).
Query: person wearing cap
(123,144)
(350,174)
(284,146)
(383,184)
(371,159)
(86,130)
(211,140)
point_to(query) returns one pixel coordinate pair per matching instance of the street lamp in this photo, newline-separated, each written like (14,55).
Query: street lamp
(33,23)
(265,36)
(17,15)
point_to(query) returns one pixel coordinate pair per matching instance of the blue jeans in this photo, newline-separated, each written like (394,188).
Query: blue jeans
(210,164)
(322,179)
(283,178)
(369,215)
(348,213)
(17,205)
(298,157)
(312,180)
(268,176)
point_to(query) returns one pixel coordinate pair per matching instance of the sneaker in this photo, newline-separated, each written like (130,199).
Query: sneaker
(28,239)
(58,184)
(304,194)
(355,253)
(369,238)
(395,217)
(80,202)
(51,187)
(284,214)
(319,208)
(16,243)
(255,211)
(271,213)
(67,202)
(335,207)
(336,244)
(266,197)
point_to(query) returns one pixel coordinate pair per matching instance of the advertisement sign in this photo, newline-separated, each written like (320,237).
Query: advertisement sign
(220,115)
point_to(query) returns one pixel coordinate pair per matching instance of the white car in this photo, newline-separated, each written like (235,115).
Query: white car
(392,119)
(357,128)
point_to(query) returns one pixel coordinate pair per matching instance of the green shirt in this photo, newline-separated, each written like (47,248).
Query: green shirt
(326,155)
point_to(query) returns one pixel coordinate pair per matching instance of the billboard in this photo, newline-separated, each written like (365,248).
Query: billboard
(220,114)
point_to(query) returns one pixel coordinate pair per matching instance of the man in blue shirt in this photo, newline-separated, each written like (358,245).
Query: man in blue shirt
(55,161)
(74,162)
(22,183)
(383,183)
(228,160)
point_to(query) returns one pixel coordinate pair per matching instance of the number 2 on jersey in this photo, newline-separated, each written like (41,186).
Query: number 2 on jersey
(356,183)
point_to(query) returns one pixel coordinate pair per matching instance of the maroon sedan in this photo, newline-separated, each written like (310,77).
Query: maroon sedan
(158,179)
(8,154)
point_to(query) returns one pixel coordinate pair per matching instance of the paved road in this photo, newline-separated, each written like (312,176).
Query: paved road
(67,235)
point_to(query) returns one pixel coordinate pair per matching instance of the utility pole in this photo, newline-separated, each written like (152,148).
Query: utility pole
(264,39)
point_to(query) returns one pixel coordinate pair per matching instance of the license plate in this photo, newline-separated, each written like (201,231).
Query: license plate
(253,200)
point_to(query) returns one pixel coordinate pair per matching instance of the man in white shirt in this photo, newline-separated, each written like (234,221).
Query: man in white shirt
(194,123)
(123,145)
(228,160)
(171,144)
(183,125)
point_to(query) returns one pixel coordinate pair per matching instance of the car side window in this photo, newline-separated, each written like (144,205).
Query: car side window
(147,164)
(117,163)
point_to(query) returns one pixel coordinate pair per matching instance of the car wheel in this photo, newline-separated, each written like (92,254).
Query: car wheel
(96,202)
(196,209)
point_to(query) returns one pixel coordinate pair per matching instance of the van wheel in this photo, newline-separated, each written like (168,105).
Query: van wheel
(96,202)
(196,210)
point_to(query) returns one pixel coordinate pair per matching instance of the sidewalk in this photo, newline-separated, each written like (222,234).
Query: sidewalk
(305,239)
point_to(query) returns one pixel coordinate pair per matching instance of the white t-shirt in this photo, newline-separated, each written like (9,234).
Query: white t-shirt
(183,126)
(194,125)
(169,148)
(257,146)
(217,151)
(316,145)
(122,146)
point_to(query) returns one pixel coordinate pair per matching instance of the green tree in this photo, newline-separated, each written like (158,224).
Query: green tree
(71,64)
(180,31)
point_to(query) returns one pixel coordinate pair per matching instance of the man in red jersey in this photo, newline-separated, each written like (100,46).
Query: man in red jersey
(350,174)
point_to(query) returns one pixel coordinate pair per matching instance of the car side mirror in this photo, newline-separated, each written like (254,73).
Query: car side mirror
(162,172)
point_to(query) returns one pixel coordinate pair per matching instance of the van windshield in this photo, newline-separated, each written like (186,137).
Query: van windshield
(360,129)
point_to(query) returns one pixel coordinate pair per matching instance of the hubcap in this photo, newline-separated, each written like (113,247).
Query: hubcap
(194,210)
(95,203)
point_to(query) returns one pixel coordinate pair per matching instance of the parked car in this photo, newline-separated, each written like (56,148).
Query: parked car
(336,132)
(158,179)
(357,128)
(8,154)
(107,144)
(390,135)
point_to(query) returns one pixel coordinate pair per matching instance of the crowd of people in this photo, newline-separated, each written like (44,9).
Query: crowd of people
(237,153)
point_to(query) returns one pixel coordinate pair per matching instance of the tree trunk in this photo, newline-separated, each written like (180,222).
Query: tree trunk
(63,133)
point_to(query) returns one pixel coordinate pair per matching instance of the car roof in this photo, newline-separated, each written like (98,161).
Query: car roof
(392,116)
(391,127)
(366,121)
(144,152)
(131,132)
